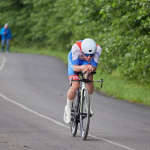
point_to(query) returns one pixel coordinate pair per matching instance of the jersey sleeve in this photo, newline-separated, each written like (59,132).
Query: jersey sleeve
(75,54)
(96,57)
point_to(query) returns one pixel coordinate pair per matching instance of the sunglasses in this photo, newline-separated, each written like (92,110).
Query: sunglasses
(91,55)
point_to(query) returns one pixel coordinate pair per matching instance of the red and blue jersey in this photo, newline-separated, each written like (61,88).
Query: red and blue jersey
(76,57)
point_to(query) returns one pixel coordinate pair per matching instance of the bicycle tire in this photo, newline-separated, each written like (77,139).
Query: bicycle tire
(74,115)
(85,115)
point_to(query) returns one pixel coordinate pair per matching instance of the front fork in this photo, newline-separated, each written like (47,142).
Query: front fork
(82,92)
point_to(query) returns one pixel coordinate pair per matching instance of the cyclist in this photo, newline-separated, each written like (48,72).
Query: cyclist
(83,56)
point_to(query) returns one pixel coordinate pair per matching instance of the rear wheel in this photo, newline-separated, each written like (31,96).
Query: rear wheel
(85,114)
(74,116)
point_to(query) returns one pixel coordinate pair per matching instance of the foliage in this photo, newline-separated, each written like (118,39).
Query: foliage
(120,27)
(127,48)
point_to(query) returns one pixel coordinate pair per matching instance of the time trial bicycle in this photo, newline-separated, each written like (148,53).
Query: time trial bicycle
(80,109)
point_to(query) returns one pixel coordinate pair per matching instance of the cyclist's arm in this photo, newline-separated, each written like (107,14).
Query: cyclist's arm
(84,68)
(91,68)
(77,68)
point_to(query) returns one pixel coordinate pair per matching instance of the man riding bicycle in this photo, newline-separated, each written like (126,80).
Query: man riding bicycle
(83,57)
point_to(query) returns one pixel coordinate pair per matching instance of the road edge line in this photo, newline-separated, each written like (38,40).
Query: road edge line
(24,107)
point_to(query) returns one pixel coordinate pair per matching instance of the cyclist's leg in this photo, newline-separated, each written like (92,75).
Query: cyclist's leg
(90,88)
(70,97)
(71,92)
(90,85)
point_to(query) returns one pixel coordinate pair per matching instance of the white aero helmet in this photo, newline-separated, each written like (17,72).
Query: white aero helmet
(88,46)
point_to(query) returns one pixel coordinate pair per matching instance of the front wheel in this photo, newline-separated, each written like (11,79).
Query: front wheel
(74,116)
(85,114)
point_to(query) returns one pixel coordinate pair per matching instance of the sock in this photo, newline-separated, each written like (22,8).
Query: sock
(90,96)
(90,106)
(69,102)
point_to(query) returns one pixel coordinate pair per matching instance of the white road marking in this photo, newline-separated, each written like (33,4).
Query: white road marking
(40,115)
(3,62)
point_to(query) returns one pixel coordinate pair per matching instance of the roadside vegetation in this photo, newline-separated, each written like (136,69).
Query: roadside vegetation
(120,27)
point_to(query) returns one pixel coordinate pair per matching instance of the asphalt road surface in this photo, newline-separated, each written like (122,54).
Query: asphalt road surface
(32,99)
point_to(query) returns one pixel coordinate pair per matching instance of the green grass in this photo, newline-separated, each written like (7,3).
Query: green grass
(114,85)
(59,54)
(121,88)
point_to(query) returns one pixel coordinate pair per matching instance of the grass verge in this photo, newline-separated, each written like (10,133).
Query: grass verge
(114,85)
(123,89)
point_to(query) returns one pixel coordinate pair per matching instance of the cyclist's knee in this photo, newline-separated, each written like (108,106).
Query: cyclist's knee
(75,86)
(90,87)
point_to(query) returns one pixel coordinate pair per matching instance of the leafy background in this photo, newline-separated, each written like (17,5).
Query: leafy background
(120,27)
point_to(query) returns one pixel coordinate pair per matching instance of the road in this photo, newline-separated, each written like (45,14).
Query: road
(32,99)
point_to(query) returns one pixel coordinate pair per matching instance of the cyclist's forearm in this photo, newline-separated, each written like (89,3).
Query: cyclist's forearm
(77,68)
(91,68)
(84,68)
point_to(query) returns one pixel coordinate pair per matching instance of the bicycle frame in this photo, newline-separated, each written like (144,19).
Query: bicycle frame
(83,86)
(79,113)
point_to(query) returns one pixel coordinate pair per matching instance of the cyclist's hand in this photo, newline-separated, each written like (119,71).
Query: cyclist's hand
(87,68)
(84,68)
(90,68)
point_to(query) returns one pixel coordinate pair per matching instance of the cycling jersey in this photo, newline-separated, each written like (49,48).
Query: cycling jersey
(76,57)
